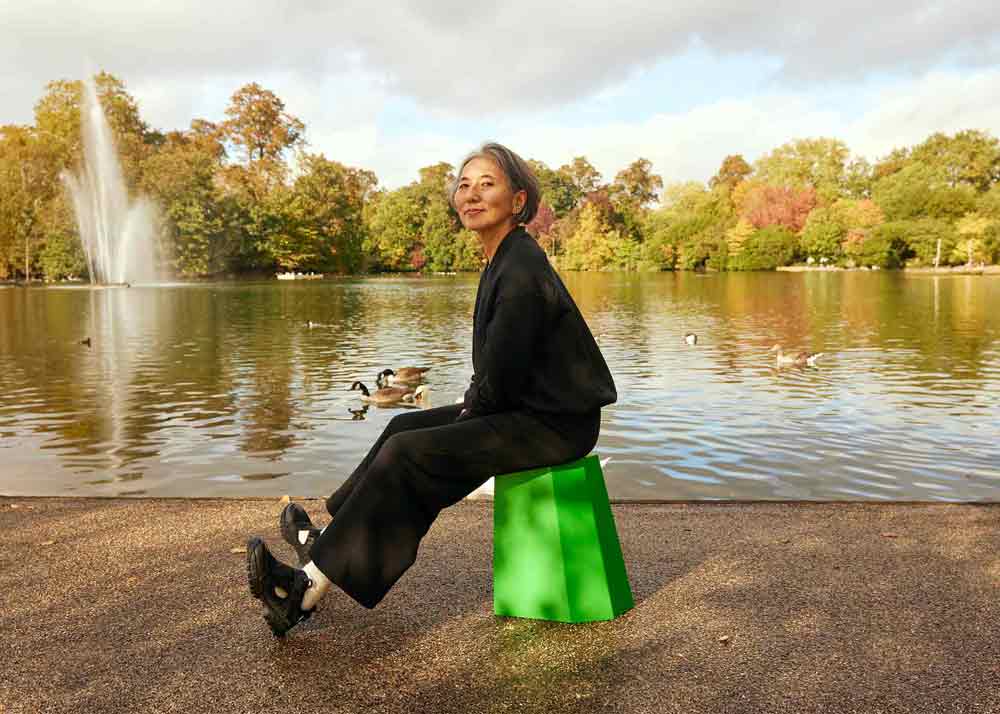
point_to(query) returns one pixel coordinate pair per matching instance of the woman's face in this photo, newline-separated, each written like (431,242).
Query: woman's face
(484,199)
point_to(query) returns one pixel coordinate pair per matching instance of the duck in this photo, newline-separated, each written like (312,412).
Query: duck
(384,395)
(403,375)
(691,338)
(85,341)
(801,359)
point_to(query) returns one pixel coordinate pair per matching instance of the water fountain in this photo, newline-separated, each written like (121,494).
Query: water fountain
(118,236)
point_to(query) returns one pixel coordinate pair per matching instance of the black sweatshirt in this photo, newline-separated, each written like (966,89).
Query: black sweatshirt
(531,348)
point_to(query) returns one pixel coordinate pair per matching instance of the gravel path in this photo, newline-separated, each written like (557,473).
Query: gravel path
(128,605)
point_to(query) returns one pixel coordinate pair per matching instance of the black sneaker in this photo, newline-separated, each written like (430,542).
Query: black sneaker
(294,519)
(264,574)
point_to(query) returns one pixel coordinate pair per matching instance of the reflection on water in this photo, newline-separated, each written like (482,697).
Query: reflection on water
(239,388)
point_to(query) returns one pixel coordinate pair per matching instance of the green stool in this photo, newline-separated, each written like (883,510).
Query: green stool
(556,554)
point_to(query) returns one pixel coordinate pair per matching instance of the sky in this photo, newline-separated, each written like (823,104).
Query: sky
(392,86)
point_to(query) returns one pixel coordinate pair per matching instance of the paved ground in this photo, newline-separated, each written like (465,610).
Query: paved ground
(140,606)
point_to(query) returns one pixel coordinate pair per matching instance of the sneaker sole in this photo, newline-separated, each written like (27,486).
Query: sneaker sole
(279,624)
(255,567)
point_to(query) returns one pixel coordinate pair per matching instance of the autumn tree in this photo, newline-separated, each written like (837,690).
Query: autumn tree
(26,185)
(788,206)
(733,171)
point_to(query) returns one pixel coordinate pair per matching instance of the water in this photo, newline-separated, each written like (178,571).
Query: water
(117,235)
(224,389)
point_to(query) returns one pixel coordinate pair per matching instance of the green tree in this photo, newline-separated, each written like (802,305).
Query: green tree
(331,199)
(920,191)
(181,178)
(969,158)
(819,163)
(557,188)
(766,249)
(582,174)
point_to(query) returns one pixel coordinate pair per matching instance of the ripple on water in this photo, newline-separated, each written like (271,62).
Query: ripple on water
(191,385)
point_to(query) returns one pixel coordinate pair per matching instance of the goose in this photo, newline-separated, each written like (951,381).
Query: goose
(417,396)
(383,396)
(403,375)
(691,338)
(799,360)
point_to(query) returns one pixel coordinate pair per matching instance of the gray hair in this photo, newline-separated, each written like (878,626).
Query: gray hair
(517,171)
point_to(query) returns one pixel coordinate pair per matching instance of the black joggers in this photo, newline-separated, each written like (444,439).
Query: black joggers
(425,461)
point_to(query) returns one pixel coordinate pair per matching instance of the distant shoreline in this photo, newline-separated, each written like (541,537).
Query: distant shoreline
(947,270)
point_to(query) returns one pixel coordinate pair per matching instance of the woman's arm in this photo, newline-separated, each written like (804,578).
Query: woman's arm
(512,337)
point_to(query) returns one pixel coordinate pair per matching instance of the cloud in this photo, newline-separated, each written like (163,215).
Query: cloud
(477,58)
(691,145)
(506,69)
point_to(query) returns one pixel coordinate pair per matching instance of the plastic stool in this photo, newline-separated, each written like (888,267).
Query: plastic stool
(556,554)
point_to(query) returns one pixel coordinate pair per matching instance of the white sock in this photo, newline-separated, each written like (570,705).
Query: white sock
(304,535)
(320,584)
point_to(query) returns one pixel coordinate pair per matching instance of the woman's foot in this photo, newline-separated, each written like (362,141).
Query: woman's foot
(298,531)
(278,586)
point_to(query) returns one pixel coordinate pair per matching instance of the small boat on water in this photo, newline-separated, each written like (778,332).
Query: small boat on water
(299,276)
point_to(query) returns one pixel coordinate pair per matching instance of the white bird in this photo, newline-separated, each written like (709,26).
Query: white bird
(691,338)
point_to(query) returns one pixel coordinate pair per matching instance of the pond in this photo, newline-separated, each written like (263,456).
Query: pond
(235,389)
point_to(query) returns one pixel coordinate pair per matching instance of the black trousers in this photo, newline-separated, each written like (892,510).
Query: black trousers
(423,462)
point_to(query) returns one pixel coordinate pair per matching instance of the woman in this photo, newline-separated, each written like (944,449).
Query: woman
(535,400)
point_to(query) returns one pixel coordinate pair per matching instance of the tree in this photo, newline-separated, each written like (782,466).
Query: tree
(858,178)
(541,225)
(832,232)
(636,185)
(920,191)
(766,205)
(737,238)
(58,120)
(259,127)
(180,176)
(26,184)
(582,174)
(970,158)
(819,163)
(766,249)
(589,248)
(971,229)
(557,188)
(733,171)
(331,197)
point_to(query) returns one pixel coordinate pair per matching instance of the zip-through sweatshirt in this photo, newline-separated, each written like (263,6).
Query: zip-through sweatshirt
(531,348)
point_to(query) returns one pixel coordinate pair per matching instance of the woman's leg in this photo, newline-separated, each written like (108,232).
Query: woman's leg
(417,472)
(407,421)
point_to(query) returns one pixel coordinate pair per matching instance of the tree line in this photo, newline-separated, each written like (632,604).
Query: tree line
(246,196)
